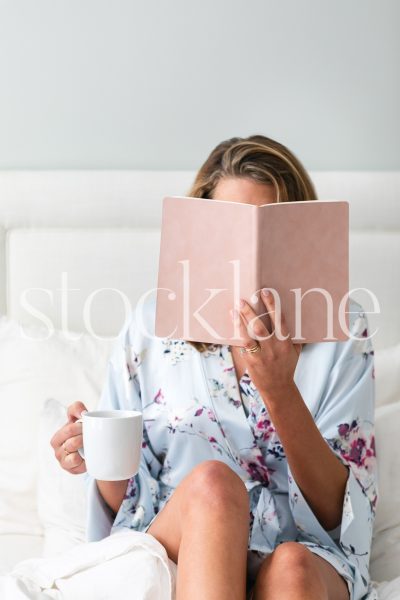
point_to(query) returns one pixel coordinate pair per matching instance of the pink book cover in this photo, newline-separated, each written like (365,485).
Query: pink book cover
(213,252)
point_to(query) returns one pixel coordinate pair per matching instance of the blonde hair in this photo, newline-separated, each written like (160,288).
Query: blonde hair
(258,158)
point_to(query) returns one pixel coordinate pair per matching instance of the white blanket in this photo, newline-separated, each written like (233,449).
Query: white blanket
(126,564)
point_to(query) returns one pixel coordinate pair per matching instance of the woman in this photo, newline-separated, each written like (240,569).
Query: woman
(258,467)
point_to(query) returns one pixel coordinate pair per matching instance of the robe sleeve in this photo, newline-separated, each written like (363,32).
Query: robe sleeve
(345,418)
(121,390)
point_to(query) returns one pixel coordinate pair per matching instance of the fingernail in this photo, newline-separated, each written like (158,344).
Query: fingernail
(239,304)
(266,292)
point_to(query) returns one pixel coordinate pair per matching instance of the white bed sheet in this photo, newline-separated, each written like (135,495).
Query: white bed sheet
(133,560)
(124,563)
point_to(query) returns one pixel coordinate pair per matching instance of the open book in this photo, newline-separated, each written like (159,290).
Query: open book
(214,252)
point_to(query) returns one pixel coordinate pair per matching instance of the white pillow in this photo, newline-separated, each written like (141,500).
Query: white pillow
(385,555)
(32,370)
(61,496)
(387,375)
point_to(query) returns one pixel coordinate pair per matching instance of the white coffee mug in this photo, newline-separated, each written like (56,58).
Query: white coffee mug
(112,443)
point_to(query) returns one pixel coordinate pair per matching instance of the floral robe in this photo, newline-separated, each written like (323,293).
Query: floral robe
(194,409)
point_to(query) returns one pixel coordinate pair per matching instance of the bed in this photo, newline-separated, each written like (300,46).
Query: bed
(77,250)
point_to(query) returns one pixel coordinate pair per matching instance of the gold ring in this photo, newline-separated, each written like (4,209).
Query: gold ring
(64,448)
(255,348)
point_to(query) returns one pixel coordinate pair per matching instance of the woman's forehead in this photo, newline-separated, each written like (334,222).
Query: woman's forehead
(244,189)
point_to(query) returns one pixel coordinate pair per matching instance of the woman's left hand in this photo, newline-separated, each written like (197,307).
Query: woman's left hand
(271,368)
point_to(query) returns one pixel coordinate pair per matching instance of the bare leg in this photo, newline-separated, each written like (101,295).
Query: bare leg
(293,572)
(204,528)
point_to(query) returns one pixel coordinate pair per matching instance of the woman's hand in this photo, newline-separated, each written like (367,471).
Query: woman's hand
(68,439)
(271,368)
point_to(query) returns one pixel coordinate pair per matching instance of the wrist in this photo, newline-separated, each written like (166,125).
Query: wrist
(280,394)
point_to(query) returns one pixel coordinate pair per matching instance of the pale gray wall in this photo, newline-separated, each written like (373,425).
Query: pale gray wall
(156,85)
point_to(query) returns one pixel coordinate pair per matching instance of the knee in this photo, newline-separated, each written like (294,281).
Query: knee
(214,484)
(295,562)
(292,554)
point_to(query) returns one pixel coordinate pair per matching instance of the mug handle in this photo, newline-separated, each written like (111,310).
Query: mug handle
(81,451)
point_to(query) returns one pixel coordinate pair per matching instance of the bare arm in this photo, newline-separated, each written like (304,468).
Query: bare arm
(112,492)
(320,475)
(318,472)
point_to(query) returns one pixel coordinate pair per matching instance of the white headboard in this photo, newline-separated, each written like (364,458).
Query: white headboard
(91,230)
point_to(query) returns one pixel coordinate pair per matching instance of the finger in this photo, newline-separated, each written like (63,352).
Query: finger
(276,315)
(72,444)
(79,469)
(71,461)
(298,348)
(67,431)
(243,335)
(255,326)
(74,411)
(237,321)
(78,466)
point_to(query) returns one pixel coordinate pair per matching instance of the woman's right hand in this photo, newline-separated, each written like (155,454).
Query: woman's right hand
(68,439)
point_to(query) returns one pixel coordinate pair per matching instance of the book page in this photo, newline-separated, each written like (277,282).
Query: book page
(304,245)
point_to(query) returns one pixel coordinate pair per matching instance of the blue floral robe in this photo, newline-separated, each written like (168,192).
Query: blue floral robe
(194,409)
